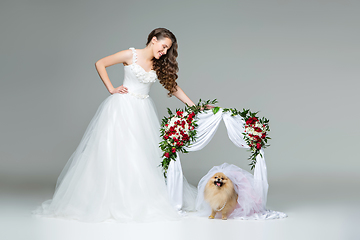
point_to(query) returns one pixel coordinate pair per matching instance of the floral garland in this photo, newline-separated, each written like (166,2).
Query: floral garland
(179,130)
(256,132)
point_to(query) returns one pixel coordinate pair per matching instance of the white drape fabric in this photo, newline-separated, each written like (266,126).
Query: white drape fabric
(184,195)
(175,183)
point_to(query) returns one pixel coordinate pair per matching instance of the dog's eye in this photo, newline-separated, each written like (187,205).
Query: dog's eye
(222,178)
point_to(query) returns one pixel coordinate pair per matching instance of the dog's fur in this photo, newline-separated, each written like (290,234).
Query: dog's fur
(219,192)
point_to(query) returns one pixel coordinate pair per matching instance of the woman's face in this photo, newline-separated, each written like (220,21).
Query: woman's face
(161,46)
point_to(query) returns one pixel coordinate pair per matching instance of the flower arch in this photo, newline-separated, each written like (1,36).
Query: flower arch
(240,128)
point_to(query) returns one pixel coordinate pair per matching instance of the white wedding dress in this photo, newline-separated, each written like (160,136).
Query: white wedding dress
(114,173)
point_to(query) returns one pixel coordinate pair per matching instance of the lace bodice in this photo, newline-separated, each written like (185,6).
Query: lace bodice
(137,80)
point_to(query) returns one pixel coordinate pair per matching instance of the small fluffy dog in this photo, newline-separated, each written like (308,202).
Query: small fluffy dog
(220,194)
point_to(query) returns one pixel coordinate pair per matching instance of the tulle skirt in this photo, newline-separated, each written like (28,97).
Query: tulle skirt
(114,173)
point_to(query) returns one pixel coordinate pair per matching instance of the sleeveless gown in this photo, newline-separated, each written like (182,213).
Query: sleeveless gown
(114,173)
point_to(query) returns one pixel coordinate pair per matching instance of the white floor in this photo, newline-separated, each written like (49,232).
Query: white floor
(314,212)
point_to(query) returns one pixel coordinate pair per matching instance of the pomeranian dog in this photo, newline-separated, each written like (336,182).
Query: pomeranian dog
(220,194)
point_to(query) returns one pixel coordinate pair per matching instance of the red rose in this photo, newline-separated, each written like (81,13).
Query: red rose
(166,137)
(257,129)
(263,135)
(167,155)
(191,116)
(251,120)
(173,150)
(258,146)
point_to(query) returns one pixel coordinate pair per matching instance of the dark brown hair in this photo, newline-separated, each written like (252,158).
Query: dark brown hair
(166,66)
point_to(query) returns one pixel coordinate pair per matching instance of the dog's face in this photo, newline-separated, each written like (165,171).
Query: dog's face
(219,179)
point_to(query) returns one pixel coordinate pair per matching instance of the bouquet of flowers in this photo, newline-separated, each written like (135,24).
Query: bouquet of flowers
(178,131)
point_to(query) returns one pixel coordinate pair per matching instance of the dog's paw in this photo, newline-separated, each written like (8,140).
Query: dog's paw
(211,217)
(224,218)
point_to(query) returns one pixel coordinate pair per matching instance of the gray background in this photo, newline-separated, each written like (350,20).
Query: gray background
(297,62)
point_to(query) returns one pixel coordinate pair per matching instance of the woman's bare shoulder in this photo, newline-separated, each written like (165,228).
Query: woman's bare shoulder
(127,54)
(125,57)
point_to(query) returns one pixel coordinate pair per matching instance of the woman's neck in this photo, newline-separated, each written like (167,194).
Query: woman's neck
(147,53)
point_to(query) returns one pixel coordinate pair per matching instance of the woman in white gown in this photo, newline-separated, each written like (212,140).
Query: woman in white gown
(114,173)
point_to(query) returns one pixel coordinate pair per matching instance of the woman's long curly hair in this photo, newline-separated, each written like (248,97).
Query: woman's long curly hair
(166,66)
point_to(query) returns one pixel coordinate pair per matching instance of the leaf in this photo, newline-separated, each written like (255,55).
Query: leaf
(169,111)
(215,110)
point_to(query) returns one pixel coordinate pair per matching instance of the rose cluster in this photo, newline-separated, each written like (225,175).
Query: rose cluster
(177,131)
(256,132)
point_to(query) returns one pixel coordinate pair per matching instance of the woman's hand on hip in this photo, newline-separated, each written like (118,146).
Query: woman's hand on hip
(121,90)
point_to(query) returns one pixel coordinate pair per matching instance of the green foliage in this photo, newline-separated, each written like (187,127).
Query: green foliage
(215,110)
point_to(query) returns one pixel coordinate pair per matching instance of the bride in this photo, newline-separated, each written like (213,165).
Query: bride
(114,173)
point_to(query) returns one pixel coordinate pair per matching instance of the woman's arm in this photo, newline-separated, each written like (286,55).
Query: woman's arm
(120,57)
(182,96)
(185,99)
